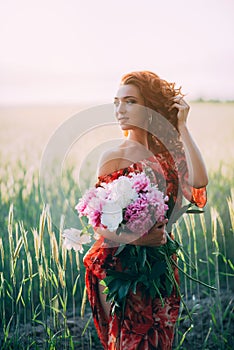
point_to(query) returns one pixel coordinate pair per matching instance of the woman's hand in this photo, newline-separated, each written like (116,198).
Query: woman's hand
(183,110)
(155,237)
(197,175)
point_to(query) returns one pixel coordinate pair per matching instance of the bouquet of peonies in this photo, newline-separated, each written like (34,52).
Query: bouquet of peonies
(131,204)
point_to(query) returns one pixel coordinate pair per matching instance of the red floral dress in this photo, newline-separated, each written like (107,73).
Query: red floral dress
(146,324)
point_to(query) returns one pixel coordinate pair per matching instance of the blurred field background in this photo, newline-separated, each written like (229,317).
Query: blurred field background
(42,286)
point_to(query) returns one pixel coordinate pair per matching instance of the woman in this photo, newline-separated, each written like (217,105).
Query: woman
(153,114)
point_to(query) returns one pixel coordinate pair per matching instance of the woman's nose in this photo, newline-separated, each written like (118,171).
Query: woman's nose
(121,108)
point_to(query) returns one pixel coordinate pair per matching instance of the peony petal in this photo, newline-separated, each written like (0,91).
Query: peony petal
(74,239)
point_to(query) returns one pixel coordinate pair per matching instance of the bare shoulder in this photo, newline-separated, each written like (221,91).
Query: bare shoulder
(114,159)
(109,162)
(120,157)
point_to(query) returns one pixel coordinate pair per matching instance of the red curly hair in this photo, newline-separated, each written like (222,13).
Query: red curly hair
(158,96)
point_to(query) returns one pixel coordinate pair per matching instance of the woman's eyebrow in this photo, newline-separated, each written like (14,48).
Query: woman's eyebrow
(125,97)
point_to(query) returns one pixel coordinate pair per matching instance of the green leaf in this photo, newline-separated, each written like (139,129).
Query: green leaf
(102,283)
(131,260)
(124,289)
(143,279)
(134,286)
(111,297)
(120,249)
(158,269)
(107,280)
(114,285)
(112,274)
(172,246)
(142,256)
(106,291)
(152,291)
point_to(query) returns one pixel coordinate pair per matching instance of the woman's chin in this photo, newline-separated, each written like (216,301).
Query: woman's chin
(125,127)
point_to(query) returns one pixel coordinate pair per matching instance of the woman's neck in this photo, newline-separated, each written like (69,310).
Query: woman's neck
(140,136)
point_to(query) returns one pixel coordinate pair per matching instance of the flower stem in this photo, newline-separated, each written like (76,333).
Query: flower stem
(160,295)
(192,278)
(169,262)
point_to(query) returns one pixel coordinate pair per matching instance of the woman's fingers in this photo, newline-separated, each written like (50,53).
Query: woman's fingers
(161,224)
(158,233)
(183,109)
(179,103)
(156,236)
(164,238)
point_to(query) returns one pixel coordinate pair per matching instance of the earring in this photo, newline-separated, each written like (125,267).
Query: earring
(150,118)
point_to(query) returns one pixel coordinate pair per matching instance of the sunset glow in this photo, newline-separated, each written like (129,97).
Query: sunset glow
(72,52)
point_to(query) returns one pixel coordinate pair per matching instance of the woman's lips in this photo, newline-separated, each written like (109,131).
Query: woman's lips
(122,120)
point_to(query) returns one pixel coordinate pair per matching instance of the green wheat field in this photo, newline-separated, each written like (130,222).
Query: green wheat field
(42,296)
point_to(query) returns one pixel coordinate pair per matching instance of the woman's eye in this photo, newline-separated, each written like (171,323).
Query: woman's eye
(129,102)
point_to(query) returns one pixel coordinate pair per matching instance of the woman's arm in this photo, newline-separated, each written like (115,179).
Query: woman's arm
(196,167)
(155,237)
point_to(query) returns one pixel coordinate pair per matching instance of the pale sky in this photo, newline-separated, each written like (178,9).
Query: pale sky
(57,51)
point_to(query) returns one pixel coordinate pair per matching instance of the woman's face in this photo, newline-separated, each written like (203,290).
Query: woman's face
(129,108)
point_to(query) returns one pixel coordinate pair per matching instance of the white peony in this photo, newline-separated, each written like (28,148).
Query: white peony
(94,203)
(102,193)
(75,239)
(122,191)
(111,215)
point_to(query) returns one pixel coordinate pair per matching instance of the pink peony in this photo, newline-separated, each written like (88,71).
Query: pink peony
(95,218)
(141,225)
(140,182)
(82,205)
(134,210)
